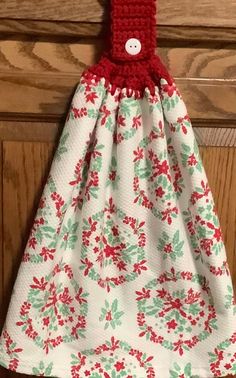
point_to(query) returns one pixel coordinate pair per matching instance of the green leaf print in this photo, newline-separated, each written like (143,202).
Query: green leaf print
(174,374)
(92,113)
(114,305)
(171,247)
(61,149)
(144,169)
(113,178)
(129,133)
(126,105)
(43,370)
(194,309)
(186,148)
(183,372)
(176,237)
(111,314)
(69,235)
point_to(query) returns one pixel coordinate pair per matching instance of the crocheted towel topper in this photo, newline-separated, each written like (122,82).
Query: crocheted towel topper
(125,271)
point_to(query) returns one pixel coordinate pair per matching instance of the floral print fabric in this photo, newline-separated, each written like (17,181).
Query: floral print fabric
(125,271)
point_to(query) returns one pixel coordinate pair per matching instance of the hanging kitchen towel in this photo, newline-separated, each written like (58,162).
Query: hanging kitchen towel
(125,273)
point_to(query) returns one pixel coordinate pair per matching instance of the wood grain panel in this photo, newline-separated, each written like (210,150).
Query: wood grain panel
(50,94)
(1,236)
(37,132)
(206,135)
(216,136)
(219,163)
(25,168)
(70,58)
(67,31)
(197,62)
(202,12)
(47,73)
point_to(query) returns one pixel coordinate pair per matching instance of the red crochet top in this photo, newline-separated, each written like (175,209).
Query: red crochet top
(131,62)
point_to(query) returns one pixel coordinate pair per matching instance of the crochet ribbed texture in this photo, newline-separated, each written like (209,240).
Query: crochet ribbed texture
(131,19)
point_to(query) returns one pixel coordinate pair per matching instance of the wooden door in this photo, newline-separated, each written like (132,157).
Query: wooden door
(44,47)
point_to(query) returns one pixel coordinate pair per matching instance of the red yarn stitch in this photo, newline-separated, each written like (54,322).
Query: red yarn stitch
(132,19)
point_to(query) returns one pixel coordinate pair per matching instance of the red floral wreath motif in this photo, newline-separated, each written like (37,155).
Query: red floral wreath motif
(108,243)
(223,359)
(12,351)
(186,314)
(112,359)
(153,172)
(54,312)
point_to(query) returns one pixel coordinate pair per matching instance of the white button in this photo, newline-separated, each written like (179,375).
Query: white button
(133,46)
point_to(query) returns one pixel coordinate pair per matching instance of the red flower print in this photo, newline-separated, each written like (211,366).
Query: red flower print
(88,264)
(119,366)
(112,175)
(109,316)
(159,192)
(106,114)
(65,297)
(88,81)
(137,122)
(186,275)
(25,308)
(68,271)
(145,202)
(115,231)
(206,245)
(79,297)
(166,214)
(118,138)
(169,89)
(139,154)
(12,351)
(192,296)
(92,224)
(79,113)
(47,253)
(192,160)
(59,202)
(138,267)
(143,294)
(77,173)
(112,208)
(163,168)
(217,231)
(32,243)
(42,202)
(153,99)
(46,321)
(162,293)
(91,97)
(30,331)
(168,248)
(121,265)
(110,251)
(233,338)
(172,324)
(106,375)
(121,120)
(41,285)
(178,347)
